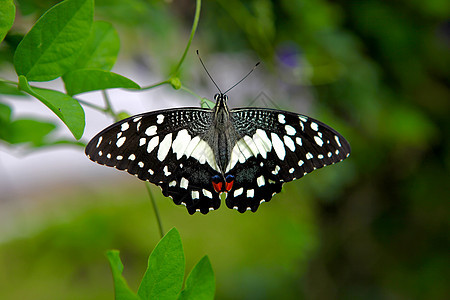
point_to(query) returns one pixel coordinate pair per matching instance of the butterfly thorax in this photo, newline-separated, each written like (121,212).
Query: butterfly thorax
(222,135)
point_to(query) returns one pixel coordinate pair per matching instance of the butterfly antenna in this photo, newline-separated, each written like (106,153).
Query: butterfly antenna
(242,78)
(204,67)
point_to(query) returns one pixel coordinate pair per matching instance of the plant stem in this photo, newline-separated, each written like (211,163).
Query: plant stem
(8,81)
(108,108)
(190,92)
(92,105)
(155,208)
(191,37)
(155,85)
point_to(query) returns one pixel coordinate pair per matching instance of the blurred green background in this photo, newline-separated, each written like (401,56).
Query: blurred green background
(375,226)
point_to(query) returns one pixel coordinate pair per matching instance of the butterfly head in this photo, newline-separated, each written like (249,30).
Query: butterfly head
(220,98)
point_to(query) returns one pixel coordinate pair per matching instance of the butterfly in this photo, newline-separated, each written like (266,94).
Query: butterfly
(196,154)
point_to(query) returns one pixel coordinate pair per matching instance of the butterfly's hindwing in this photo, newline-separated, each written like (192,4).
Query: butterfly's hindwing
(254,184)
(166,148)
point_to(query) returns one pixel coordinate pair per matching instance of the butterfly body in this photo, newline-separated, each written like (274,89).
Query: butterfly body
(195,154)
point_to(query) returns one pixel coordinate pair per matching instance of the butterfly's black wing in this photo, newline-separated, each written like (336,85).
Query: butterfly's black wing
(274,147)
(166,148)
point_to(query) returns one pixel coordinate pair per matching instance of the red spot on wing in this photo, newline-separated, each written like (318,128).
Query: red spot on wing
(229,185)
(217,186)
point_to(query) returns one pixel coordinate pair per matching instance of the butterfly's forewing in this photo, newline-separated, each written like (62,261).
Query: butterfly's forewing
(166,148)
(275,147)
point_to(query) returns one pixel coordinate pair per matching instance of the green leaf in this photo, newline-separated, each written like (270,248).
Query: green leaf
(5,119)
(101,49)
(7,14)
(123,115)
(200,284)
(86,80)
(5,113)
(122,291)
(206,103)
(52,46)
(64,106)
(164,276)
(7,89)
(27,131)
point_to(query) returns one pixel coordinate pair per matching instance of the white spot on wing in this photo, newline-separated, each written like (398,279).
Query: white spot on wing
(160,119)
(289,143)
(300,163)
(184,183)
(337,140)
(251,145)
(164,147)
(121,141)
(303,118)
(195,195)
(245,150)
(260,181)
(191,146)
(250,193)
(151,171)
(152,144)
(207,194)
(166,171)
(119,157)
(142,141)
(318,140)
(298,141)
(124,126)
(290,130)
(173,183)
(181,142)
(132,157)
(262,142)
(151,130)
(281,118)
(314,126)
(137,119)
(141,164)
(309,155)
(278,146)
(275,172)
(99,141)
(238,192)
